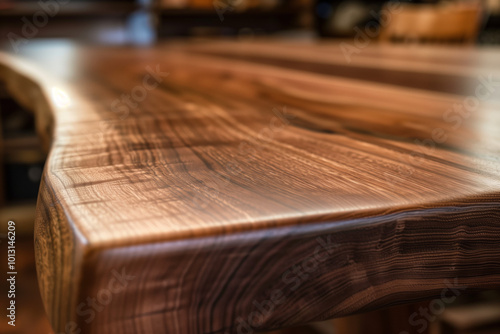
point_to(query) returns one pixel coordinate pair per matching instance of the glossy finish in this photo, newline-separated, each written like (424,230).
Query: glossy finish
(259,184)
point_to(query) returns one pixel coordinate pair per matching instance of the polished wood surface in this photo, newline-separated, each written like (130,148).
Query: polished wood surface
(258,185)
(31,318)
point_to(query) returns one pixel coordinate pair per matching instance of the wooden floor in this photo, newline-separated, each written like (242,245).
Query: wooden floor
(31,318)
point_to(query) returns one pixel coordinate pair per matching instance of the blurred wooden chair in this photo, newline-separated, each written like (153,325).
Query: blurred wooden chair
(444,23)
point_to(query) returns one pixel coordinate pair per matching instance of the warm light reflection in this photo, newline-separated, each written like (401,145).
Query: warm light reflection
(60,97)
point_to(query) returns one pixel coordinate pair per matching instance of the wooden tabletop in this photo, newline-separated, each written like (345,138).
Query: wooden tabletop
(235,187)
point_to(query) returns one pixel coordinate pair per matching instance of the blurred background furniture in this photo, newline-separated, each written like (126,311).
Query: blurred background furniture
(107,21)
(144,21)
(21,163)
(435,23)
(227,17)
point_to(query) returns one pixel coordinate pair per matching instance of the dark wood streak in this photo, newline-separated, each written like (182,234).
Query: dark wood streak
(453,84)
(207,198)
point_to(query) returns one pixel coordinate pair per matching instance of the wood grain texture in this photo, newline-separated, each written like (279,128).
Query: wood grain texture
(258,175)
